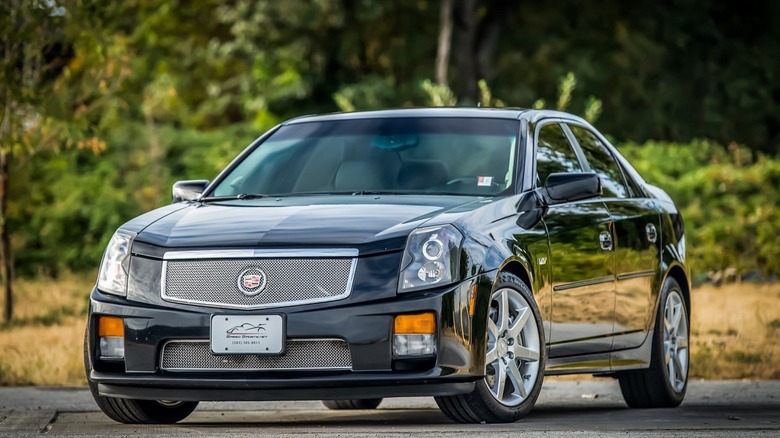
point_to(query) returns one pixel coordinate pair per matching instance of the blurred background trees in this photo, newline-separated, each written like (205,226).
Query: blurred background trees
(104,105)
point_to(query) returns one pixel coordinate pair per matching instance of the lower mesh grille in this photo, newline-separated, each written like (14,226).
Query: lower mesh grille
(301,354)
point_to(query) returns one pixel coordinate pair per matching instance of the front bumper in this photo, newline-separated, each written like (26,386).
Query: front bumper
(201,389)
(366,327)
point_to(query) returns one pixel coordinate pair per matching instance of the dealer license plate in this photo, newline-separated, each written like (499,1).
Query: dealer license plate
(247,334)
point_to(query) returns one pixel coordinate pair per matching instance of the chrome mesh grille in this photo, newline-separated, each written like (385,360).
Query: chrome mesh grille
(301,354)
(289,281)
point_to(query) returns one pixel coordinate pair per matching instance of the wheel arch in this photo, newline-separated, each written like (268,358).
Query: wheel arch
(517,268)
(677,272)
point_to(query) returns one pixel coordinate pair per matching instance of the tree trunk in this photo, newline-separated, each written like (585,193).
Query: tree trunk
(155,156)
(5,156)
(465,16)
(445,41)
(5,241)
(477,33)
(487,36)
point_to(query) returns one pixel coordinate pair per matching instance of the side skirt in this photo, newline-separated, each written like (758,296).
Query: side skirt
(603,363)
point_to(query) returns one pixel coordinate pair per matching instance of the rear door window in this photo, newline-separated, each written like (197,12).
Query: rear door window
(601,162)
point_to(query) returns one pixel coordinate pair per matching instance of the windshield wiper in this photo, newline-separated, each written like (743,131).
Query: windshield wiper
(381,192)
(241,196)
(343,192)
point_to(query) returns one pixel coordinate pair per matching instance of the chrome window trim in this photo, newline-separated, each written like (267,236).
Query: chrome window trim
(260,253)
(187,370)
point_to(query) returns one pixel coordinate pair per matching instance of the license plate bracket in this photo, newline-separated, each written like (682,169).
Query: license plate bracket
(248,334)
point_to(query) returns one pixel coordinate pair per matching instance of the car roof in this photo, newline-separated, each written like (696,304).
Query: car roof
(497,113)
(532,115)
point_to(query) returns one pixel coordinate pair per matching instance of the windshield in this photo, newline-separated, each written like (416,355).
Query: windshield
(398,155)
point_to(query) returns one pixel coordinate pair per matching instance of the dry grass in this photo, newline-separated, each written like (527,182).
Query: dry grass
(42,346)
(41,355)
(735,332)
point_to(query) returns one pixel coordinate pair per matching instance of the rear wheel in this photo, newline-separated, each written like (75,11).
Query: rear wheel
(515,359)
(131,411)
(364,403)
(664,383)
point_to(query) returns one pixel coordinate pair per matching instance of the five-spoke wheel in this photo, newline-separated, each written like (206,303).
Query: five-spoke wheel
(676,340)
(513,347)
(664,383)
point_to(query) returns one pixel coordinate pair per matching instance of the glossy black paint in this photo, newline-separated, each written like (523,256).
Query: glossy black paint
(367,222)
(569,187)
(598,305)
(582,277)
(188,190)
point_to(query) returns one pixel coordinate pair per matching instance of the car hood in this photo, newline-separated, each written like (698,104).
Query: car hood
(369,223)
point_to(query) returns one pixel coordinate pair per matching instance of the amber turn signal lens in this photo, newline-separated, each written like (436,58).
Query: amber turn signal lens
(111,326)
(420,324)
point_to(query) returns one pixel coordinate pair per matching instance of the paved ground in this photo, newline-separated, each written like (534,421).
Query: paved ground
(566,408)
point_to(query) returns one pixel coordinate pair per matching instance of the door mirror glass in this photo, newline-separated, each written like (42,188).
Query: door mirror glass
(565,187)
(188,190)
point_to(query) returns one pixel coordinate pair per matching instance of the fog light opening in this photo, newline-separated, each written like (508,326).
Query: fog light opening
(112,347)
(414,345)
(111,332)
(414,335)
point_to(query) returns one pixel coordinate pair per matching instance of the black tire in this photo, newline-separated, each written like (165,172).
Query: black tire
(652,387)
(481,405)
(131,411)
(363,403)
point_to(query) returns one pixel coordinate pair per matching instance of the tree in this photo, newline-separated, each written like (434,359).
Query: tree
(477,31)
(53,79)
(445,42)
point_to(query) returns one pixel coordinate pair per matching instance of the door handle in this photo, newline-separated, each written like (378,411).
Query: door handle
(652,234)
(605,240)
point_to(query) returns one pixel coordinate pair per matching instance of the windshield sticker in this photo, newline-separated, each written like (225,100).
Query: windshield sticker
(484,181)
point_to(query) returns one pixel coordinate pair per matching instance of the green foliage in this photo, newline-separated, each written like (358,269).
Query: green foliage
(66,205)
(565,89)
(566,86)
(371,93)
(343,102)
(134,95)
(486,96)
(728,201)
(438,95)
(593,109)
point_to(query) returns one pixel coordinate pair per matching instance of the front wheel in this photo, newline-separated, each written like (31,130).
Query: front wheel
(131,411)
(515,359)
(664,383)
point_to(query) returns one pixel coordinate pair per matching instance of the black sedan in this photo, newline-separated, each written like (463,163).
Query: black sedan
(457,253)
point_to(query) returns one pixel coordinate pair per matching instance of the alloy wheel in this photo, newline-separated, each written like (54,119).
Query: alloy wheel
(513,349)
(676,341)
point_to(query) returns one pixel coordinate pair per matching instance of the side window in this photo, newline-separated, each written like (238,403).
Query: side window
(554,153)
(602,162)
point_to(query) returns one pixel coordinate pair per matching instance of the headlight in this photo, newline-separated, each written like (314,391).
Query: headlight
(113,270)
(431,258)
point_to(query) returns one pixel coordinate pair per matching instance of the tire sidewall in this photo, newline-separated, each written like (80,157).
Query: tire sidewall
(482,391)
(658,360)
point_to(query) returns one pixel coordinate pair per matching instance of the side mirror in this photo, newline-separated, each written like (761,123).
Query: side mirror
(188,190)
(565,187)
